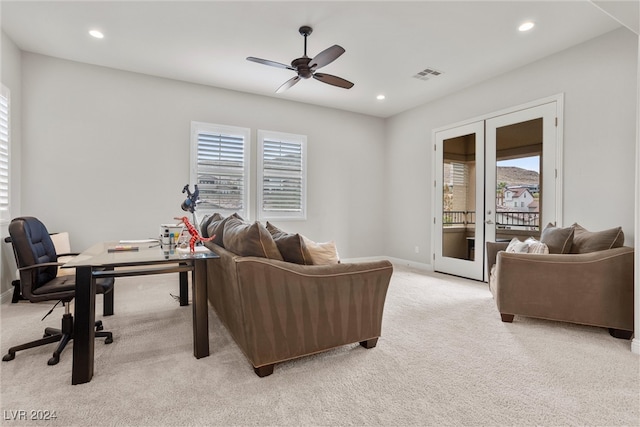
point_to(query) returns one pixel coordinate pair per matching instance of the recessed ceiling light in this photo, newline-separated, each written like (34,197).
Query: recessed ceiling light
(97,34)
(380,97)
(526,26)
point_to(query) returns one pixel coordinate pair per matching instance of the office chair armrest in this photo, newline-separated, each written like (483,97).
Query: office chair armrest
(44,264)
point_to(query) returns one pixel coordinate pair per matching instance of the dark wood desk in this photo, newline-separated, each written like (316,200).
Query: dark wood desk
(97,262)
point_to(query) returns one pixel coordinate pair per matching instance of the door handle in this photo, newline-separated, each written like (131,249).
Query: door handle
(489,221)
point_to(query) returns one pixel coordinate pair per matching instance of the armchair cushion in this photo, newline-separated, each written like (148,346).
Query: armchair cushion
(585,241)
(516,246)
(559,240)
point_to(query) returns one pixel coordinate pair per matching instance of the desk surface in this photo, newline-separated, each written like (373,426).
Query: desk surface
(147,253)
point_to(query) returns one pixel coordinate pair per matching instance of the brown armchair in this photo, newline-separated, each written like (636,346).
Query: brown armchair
(593,288)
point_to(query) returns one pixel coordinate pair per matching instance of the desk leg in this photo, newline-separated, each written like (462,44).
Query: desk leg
(83,326)
(184,288)
(200,309)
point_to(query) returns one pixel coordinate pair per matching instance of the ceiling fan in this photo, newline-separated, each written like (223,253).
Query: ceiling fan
(306,67)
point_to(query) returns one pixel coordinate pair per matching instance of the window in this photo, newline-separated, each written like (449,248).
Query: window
(220,167)
(282,175)
(4,153)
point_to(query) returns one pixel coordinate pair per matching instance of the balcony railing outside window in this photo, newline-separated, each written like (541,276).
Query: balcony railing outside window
(528,220)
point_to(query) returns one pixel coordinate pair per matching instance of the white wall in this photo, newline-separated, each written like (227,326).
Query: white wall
(11,77)
(121,140)
(107,154)
(599,80)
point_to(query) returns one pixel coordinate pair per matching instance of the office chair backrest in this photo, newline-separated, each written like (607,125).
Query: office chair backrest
(33,245)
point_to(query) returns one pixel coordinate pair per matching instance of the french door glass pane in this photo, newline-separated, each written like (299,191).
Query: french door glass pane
(458,197)
(518,183)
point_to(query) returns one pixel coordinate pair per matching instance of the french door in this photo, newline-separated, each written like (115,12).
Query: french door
(459,198)
(495,179)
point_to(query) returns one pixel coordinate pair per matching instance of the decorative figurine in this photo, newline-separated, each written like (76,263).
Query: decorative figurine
(195,236)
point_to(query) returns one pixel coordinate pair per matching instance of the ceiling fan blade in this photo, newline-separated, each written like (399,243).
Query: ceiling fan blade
(288,84)
(333,80)
(325,57)
(270,63)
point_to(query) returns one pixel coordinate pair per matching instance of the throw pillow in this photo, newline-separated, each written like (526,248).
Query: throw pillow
(249,240)
(536,247)
(216,227)
(204,224)
(517,247)
(291,246)
(559,240)
(322,253)
(585,241)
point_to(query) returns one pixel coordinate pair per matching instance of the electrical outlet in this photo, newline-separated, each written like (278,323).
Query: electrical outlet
(417,249)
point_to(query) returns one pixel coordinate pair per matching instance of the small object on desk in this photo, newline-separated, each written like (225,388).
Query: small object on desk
(122,248)
(197,249)
(140,241)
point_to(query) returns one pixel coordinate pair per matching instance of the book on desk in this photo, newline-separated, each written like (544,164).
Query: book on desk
(123,248)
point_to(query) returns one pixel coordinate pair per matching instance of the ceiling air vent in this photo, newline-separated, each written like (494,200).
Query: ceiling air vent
(427,73)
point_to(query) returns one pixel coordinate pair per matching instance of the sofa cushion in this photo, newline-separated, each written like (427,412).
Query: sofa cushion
(559,240)
(585,241)
(291,246)
(216,227)
(249,240)
(204,225)
(322,253)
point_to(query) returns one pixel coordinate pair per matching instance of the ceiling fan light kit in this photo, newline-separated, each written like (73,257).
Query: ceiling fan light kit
(306,67)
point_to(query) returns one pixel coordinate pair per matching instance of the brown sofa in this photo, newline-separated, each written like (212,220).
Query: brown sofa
(593,288)
(277,310)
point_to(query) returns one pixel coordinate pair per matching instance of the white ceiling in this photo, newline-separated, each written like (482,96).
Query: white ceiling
(386,42)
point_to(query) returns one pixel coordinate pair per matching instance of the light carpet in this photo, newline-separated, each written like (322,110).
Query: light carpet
(444,358)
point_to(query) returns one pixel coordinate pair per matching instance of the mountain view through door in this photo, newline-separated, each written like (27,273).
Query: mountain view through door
(518,196)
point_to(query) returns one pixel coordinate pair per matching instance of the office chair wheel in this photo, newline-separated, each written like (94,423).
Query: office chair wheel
(54,360)
(99,326)
(8,356)
(108,340)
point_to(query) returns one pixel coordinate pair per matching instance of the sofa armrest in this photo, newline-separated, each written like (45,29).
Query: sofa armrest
(492,251)
(594,288)
(291,310)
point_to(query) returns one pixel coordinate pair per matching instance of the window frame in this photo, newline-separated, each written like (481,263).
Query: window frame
(198,128)
(290,138)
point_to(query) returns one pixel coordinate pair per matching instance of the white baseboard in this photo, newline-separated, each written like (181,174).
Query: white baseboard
(6,296)
(412,264)
(635,345)
(395,261)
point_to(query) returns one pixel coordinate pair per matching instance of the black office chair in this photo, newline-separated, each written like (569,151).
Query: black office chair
(39,281)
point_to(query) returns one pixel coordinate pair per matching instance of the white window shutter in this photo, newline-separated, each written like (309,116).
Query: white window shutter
(281,175)
(221,168)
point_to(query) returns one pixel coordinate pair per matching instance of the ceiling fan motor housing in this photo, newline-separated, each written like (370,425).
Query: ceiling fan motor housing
(302,66)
